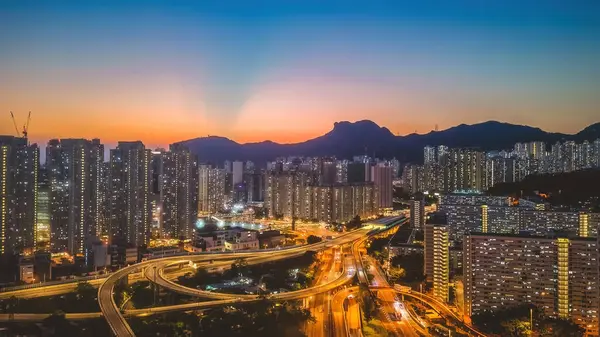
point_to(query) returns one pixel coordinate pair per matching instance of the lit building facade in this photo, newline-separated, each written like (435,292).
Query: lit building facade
(291,194)
(464,170)
(74,171)
(437,255)
(130,193)
(178,180)
(557,275)
(19,162)
(43,211)
(382,178)
(211,189)
(417,213)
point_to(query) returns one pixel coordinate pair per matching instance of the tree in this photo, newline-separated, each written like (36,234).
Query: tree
(516,328)
(59,324)
(10,305)
(368,307)
(202,276)
(313,239)
(85,290)
(142,295)
(395,274)
(451,294)
(85,298)
(412,265)
(562,328)
(377,245)
(238,268)
(354,223)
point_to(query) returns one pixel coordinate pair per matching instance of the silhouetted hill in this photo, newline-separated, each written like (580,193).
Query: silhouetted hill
(589,133)
(563,188)
(366,137)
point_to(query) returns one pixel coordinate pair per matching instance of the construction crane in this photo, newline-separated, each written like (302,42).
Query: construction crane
(14,122)
(25,126)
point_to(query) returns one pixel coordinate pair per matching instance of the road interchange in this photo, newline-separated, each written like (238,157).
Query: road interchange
(146,269)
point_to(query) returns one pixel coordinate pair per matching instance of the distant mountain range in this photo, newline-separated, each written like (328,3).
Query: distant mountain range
(347,139)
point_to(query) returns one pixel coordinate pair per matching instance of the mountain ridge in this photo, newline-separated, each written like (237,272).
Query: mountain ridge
(347,138)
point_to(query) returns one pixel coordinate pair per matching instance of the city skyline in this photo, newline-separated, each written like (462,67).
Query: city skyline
(286,73)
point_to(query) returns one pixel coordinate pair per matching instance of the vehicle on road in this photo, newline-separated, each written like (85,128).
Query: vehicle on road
(394,316)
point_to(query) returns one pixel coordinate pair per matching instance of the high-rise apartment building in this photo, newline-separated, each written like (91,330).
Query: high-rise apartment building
(74,171)
(437,256)
(19,163)
(294,194)
(557,275)
(327,171)
(417,213)
(211,189)
(413,178)
(237,172)
(431,178)
(255,185)
(358,172)
(464,170)
(341,172)
(429,155)
(130,193)
(228,166)
(451,170)
(382,178)
(178,179)
(43,211)
(287,194)
(442,153)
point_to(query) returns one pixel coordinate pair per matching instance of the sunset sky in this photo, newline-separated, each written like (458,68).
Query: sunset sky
(163,71)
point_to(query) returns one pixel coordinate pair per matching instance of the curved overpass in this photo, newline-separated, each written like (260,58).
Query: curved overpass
(119,325)
(441,307)
(155,272)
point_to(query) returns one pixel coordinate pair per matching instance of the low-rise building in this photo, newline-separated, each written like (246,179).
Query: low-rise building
(228,238)
(271,239)
(26,274)
(158,252)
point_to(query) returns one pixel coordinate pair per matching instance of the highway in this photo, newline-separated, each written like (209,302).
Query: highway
(155,272)
(352,317)
(442,309)
(319,304)
(390,307)
(340,329)
(116,319)
(119,325)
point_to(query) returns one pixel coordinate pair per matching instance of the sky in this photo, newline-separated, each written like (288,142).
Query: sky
(283,70)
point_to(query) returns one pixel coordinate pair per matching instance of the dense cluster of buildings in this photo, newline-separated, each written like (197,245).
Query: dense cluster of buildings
(449,170)
(78,199)
(515,253)
(83,204)
(556,274)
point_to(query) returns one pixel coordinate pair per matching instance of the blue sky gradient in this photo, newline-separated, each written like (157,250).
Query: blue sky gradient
(162,71)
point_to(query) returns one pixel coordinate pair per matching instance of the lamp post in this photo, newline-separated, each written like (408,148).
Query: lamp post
(531,319)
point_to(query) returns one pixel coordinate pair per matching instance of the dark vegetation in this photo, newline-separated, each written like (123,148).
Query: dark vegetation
(275,275)
(83,299)
(568,189)
(263,318)
(514,322)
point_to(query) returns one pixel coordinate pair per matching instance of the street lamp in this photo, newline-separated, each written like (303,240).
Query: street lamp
(531,319)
